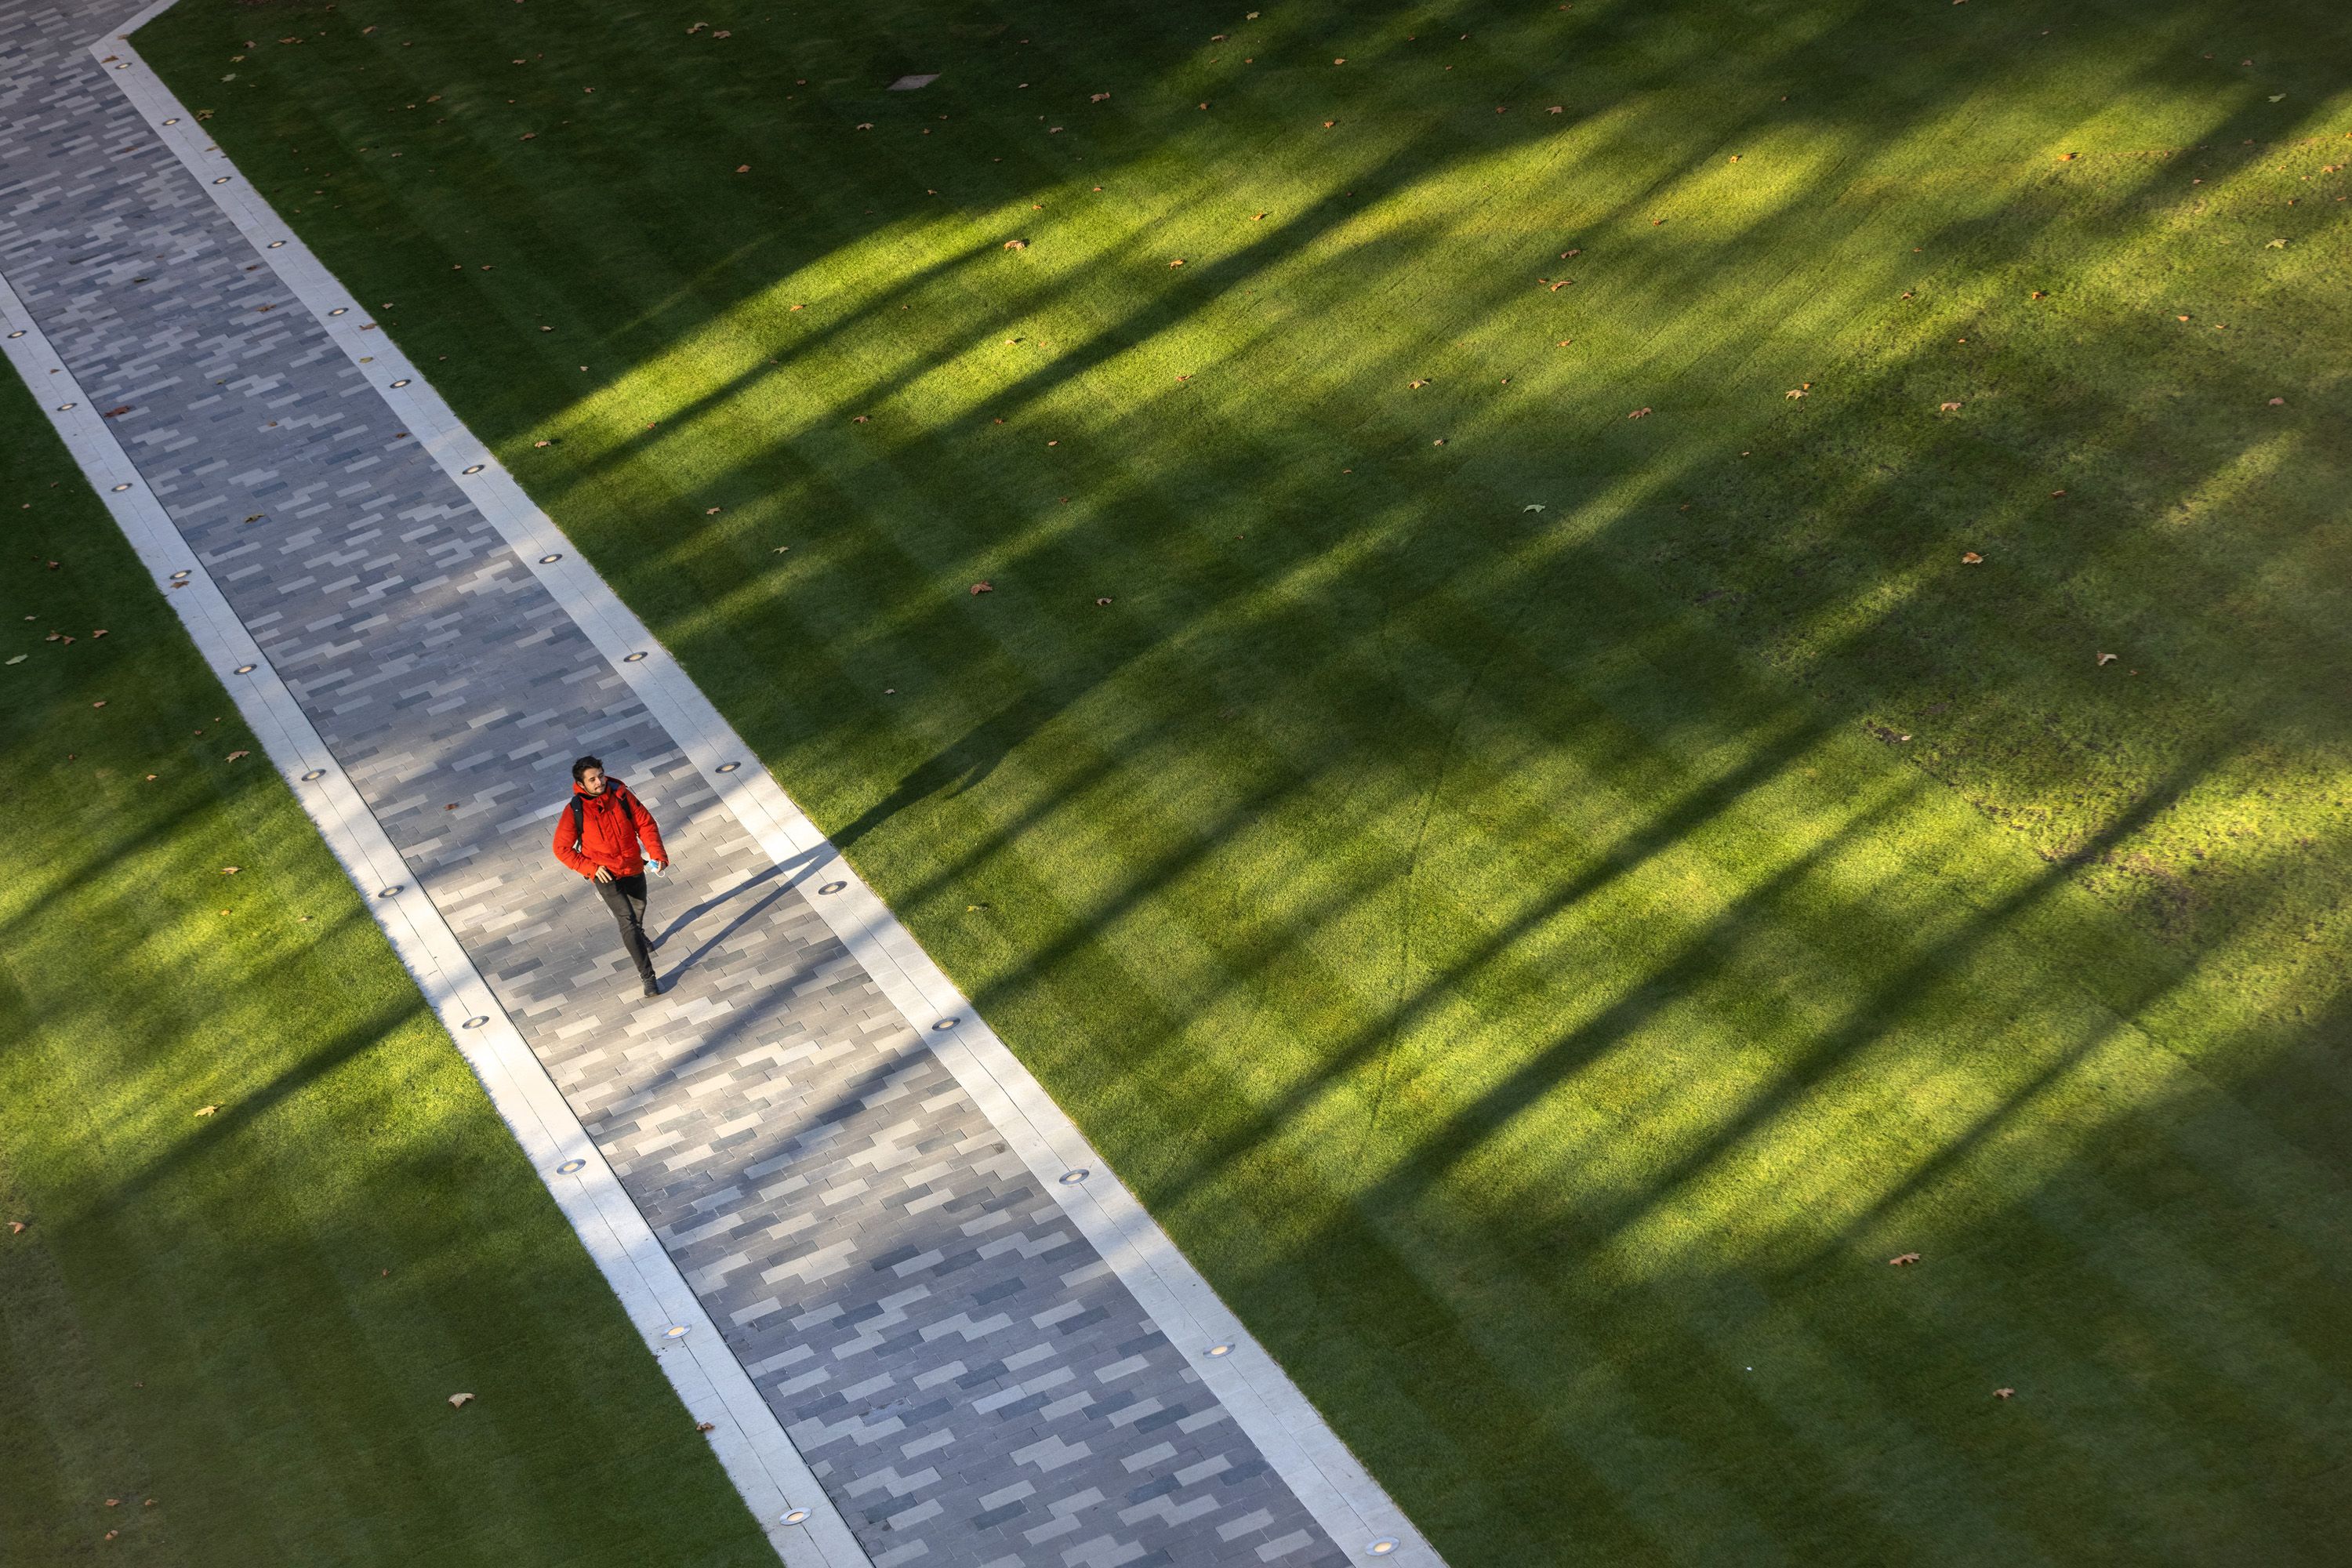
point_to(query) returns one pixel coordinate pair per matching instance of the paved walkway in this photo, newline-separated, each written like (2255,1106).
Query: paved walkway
(963,1373)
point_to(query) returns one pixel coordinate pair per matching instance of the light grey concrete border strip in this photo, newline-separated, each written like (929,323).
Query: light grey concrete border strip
(1319,1470)
(750,1442)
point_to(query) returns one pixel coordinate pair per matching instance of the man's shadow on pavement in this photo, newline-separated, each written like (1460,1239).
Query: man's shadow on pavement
(791,873)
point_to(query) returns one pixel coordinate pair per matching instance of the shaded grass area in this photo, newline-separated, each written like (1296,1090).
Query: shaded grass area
(254,1318)
(1542,902)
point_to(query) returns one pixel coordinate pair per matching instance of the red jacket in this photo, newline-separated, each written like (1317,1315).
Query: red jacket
(612,825)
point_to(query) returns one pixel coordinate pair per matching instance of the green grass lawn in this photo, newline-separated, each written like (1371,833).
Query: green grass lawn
(1597,812)
(255,1318)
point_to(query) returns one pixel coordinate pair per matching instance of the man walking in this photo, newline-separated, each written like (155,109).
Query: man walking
(598,835)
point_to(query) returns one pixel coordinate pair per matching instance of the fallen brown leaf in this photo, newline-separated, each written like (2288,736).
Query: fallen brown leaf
(1970,558)
(1639,414)
(980,588)
(16,1227)
(208,1110)
(459,1401)
(239,756)
(2005,1393)
(2107,659)
(706,1426)
(1949,407)
(1904,1259)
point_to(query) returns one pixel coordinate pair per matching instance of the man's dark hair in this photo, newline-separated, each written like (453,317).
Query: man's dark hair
(581,764)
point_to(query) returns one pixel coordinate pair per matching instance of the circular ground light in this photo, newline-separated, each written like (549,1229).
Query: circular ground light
(314,775)
(17,334)
(68,407)
(174,120)
(221,181)
(401,382)
(276,244)
(179,577)
(1220,1350)
(387,893)
(549,559)
(729,767)
(476,1022)
(945,1023)
(475,470)
(569,1166)
(795,1516)
(1382,1547)
(675,1331)
(833,887)
(120,488)
(247,668)
(632,659)
(1072,1178)
(340,310)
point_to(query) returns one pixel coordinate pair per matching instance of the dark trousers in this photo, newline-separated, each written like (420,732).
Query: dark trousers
(626,896)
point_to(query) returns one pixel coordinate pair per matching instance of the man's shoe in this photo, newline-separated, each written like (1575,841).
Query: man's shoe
(652,987)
